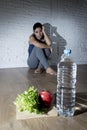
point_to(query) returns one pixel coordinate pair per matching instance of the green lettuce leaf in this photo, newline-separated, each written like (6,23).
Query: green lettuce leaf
(28,101)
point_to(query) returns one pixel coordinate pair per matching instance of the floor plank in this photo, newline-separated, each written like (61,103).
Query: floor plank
(17,80)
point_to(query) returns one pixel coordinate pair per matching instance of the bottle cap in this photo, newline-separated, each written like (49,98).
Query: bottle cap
(67,51)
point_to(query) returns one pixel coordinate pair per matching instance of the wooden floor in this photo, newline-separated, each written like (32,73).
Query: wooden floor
(15,81)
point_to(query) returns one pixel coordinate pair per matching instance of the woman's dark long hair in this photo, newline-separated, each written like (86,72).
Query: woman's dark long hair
(36,25)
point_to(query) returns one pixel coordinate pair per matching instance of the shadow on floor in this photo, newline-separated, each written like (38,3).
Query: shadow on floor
(81,103)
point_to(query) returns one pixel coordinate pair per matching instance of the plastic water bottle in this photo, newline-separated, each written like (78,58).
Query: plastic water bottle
(66,85)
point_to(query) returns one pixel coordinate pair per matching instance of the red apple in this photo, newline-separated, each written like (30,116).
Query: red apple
(46,98)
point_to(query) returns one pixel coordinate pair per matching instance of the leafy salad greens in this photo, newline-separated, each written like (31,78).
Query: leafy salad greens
(28,101)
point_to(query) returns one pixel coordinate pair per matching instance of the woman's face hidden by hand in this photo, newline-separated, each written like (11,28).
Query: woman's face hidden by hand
(38,33)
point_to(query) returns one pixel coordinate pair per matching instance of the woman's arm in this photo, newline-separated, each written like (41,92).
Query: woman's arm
(37,43)
(47,39)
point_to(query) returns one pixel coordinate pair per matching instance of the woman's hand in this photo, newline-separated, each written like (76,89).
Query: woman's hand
(43,29)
